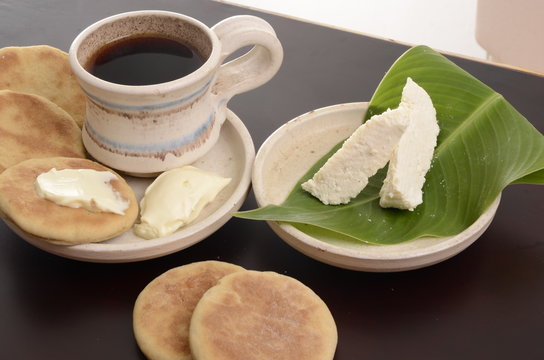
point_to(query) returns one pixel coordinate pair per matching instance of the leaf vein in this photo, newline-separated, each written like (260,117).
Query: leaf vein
(474,116)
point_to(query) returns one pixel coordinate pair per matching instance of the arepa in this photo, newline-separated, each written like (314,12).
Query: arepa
(163,310)
(60,224)
(33,127)
(43,70)
(251,315)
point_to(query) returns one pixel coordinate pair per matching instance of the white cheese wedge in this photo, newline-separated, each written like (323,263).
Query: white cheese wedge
(81,188)
(368,149)
(411,160)
(175,198)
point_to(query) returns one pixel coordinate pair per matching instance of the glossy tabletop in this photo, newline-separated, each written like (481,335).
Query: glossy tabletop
(485,303)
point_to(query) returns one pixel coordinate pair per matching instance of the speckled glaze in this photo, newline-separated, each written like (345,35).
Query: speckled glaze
(144,130)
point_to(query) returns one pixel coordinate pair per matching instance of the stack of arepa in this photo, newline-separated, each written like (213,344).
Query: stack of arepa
(42,110)
(213,310)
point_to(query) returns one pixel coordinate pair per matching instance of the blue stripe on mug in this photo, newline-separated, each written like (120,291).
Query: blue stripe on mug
(149,107)
(153,148)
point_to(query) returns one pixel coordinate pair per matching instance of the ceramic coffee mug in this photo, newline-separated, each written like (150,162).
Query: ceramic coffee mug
(147,129)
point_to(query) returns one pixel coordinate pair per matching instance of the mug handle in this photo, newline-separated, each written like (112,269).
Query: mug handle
(255,67)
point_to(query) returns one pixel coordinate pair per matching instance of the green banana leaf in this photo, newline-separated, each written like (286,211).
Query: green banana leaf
(484,145)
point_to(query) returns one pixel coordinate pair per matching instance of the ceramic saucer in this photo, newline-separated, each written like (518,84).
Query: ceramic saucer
(232,156)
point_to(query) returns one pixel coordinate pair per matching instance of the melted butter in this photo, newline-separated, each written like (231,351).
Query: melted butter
(175,199)
(81,188)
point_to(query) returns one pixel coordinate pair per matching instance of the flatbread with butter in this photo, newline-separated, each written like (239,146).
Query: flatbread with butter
(33,127)
(163,309)
(253,315)
(58,224)
(43,70)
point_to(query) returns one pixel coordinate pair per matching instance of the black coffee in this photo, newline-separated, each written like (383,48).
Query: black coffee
(144,60)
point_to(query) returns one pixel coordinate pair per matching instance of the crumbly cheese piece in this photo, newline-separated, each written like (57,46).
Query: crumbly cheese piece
(81,188)
(175,198)
(368,149)
(411,160)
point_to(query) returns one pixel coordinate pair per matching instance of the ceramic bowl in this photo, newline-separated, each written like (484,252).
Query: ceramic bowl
(288,154)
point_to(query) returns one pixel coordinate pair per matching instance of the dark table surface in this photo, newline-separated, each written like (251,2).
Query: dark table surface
(485,303)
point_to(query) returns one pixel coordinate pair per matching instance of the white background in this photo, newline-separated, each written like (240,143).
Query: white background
(446,25)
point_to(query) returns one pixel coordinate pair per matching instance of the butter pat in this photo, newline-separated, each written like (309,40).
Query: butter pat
(411,160)
(81,188)
(176,198)
(368,149)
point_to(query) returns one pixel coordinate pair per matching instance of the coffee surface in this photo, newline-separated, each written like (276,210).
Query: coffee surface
(144,60)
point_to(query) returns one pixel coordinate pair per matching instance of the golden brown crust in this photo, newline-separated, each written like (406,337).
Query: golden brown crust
(254,315)
(163,309)
(34,127)
(43,70)
(56,223)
